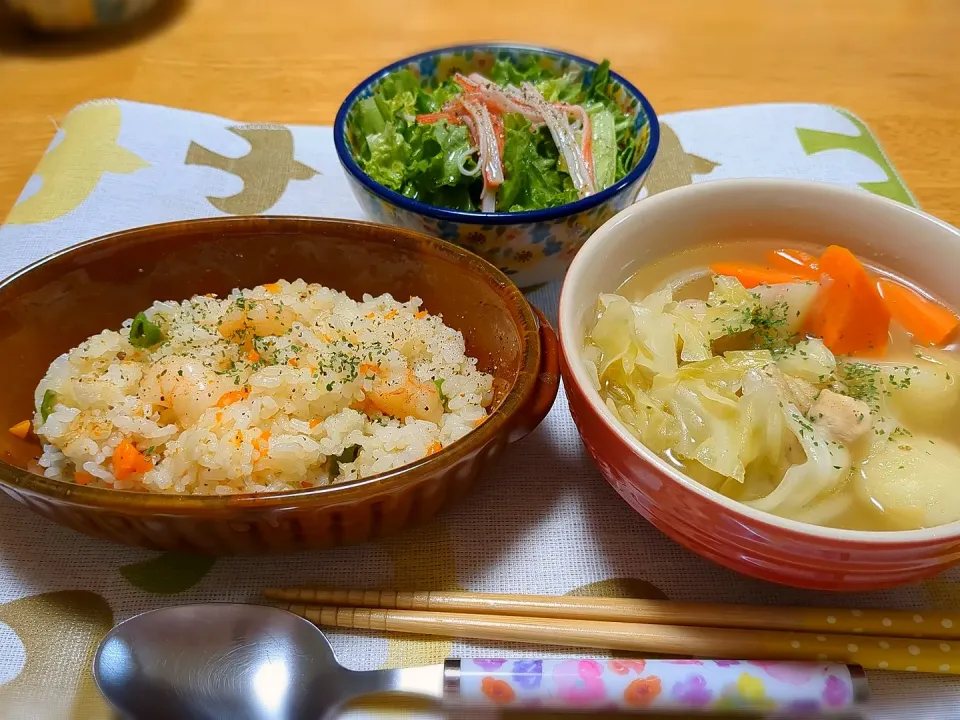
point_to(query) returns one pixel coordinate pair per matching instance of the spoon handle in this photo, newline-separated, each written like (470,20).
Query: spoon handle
(814,689)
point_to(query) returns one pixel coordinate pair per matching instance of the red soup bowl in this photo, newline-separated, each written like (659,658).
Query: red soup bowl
(739,537)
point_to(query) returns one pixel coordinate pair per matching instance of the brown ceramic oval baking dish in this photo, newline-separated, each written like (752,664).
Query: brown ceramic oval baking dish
(58,302)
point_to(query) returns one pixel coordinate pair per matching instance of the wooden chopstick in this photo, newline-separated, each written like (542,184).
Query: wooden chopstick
(894,623)
(875,653)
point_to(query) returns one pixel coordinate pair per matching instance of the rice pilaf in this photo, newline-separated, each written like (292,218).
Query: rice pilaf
(285,386)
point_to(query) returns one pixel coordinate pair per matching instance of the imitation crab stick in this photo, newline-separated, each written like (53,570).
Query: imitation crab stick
(798,262)
(929,322)
(848,312)
(127,460)
(751,275)
(429,118)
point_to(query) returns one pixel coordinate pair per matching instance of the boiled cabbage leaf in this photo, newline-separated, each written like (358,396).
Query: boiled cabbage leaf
(730,417)
(729,307)
(762,439)
(702,396)
(809,360)
(695,343)
(647,418)
(709,423)
(826,465)
(635,338)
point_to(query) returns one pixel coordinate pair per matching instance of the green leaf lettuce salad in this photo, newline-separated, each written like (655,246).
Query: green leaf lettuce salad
(520,139)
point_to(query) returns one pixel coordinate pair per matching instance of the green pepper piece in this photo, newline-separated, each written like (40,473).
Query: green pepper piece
(347,456)
(443,398)
(46,405)
(143,333)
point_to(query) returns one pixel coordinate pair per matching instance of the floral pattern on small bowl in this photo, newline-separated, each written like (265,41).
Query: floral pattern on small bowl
(531,247)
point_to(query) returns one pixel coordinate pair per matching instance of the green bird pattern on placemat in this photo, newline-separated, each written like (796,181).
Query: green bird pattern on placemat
(168,573)
(864,143)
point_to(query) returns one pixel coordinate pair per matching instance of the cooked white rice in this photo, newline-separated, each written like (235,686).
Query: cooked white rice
(281,387)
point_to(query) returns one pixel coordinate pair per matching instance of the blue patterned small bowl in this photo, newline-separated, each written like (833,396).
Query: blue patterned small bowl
(531,247)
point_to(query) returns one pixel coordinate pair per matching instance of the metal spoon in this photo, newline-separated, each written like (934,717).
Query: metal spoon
(251,662)
(225,660)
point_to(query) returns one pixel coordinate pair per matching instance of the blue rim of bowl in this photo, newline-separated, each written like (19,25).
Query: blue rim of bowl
(495,218)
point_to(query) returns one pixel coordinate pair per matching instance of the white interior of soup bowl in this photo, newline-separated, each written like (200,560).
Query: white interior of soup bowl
(915,245)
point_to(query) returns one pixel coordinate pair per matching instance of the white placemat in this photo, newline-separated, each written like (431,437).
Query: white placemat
(544,521)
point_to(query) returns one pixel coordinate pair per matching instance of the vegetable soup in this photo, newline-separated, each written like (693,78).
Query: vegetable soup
(798,380)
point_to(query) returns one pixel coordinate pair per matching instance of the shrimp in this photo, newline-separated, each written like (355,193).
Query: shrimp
(75,441)
(403,396)
(261,317)
(186,386)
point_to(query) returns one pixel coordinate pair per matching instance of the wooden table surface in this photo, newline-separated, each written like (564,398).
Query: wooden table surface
(896,63)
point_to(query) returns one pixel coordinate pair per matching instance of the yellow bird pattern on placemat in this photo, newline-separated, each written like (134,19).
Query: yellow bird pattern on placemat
(625,587)
(422,558)
(621,587)
(265,171)
(72,170)
(60,632)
